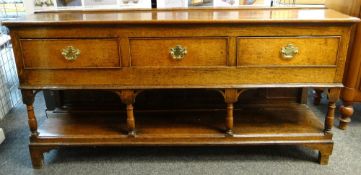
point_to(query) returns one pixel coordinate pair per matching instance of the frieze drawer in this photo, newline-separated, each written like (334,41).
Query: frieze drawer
(287,51)
(70,53)
(178,52)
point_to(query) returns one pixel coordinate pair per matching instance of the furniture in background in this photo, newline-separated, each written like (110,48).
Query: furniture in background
(9,92)
(257,48)
(2,135)
(352,80)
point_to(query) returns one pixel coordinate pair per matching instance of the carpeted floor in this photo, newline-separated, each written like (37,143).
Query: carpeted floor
(15,160)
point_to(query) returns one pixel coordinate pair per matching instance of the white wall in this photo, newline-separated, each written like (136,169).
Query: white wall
(29,6)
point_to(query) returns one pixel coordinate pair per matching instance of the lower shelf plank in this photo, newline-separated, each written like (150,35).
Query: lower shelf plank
(252,125)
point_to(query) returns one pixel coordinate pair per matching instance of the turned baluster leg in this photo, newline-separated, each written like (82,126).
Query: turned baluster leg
(346,113)
(33,124)
(230,97)
(317,96)
(333,95)
(348,95)
(130,120)
(28,100)
(128,98)
(229,119)
(36,154)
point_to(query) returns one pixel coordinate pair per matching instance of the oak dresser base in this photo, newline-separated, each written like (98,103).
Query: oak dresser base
(225,50)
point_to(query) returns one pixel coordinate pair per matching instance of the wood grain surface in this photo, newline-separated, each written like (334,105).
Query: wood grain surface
(187,16)
(229,51)
(201,51)
(94,53)
(263,51)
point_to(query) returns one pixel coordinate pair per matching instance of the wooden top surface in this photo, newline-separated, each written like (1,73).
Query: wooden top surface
(189,16)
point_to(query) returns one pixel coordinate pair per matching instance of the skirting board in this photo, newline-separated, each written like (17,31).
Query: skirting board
(2,135)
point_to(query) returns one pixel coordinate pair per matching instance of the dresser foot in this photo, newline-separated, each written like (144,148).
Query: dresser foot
(343,125)
(37,156)
(324,151)
(132,133)
(323,158)
(346,113)
(229,133)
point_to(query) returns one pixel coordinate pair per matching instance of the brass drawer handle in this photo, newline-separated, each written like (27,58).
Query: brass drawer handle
(70,53)
(289,51)
(178,52)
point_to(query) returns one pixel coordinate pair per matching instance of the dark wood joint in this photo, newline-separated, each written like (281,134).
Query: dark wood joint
(317,96)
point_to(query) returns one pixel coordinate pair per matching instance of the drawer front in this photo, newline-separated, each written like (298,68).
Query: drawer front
(287,51)
(192,52)
(70,53)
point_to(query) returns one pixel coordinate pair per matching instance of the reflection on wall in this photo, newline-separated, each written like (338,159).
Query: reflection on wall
(310,1)
(225,3)
(124,4)
(200,3)
(247,2)
(100,2)
(44,4)
(135,3)
(171,3)
(254,2)
(65,3)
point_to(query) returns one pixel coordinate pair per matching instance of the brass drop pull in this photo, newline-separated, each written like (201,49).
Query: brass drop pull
(70,53)
(178,52)
(289,51)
